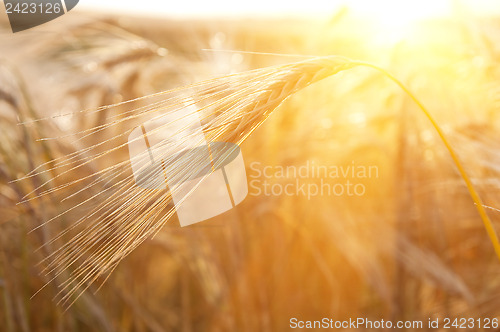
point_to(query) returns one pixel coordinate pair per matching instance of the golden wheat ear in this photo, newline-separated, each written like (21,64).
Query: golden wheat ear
(120,214)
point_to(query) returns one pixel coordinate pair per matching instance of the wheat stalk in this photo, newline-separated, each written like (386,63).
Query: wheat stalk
(121,215)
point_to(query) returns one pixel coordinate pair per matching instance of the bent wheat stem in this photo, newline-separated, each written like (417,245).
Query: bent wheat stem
(488,225)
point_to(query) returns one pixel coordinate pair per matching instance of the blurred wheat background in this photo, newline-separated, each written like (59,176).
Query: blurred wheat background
(412,247)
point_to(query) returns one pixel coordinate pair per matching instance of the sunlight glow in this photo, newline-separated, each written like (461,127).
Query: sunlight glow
(395,14)
(395,19)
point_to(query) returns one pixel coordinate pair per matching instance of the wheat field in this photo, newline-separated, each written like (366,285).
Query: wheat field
(82,249)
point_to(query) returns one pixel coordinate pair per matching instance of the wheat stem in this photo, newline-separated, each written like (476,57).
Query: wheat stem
(488,225)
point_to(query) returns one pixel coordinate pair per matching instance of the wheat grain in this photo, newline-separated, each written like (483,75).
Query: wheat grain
(122,215)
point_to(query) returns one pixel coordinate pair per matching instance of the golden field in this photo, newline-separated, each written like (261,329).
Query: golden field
(410,247)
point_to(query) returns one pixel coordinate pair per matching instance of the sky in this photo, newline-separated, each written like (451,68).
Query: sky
(206,8)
